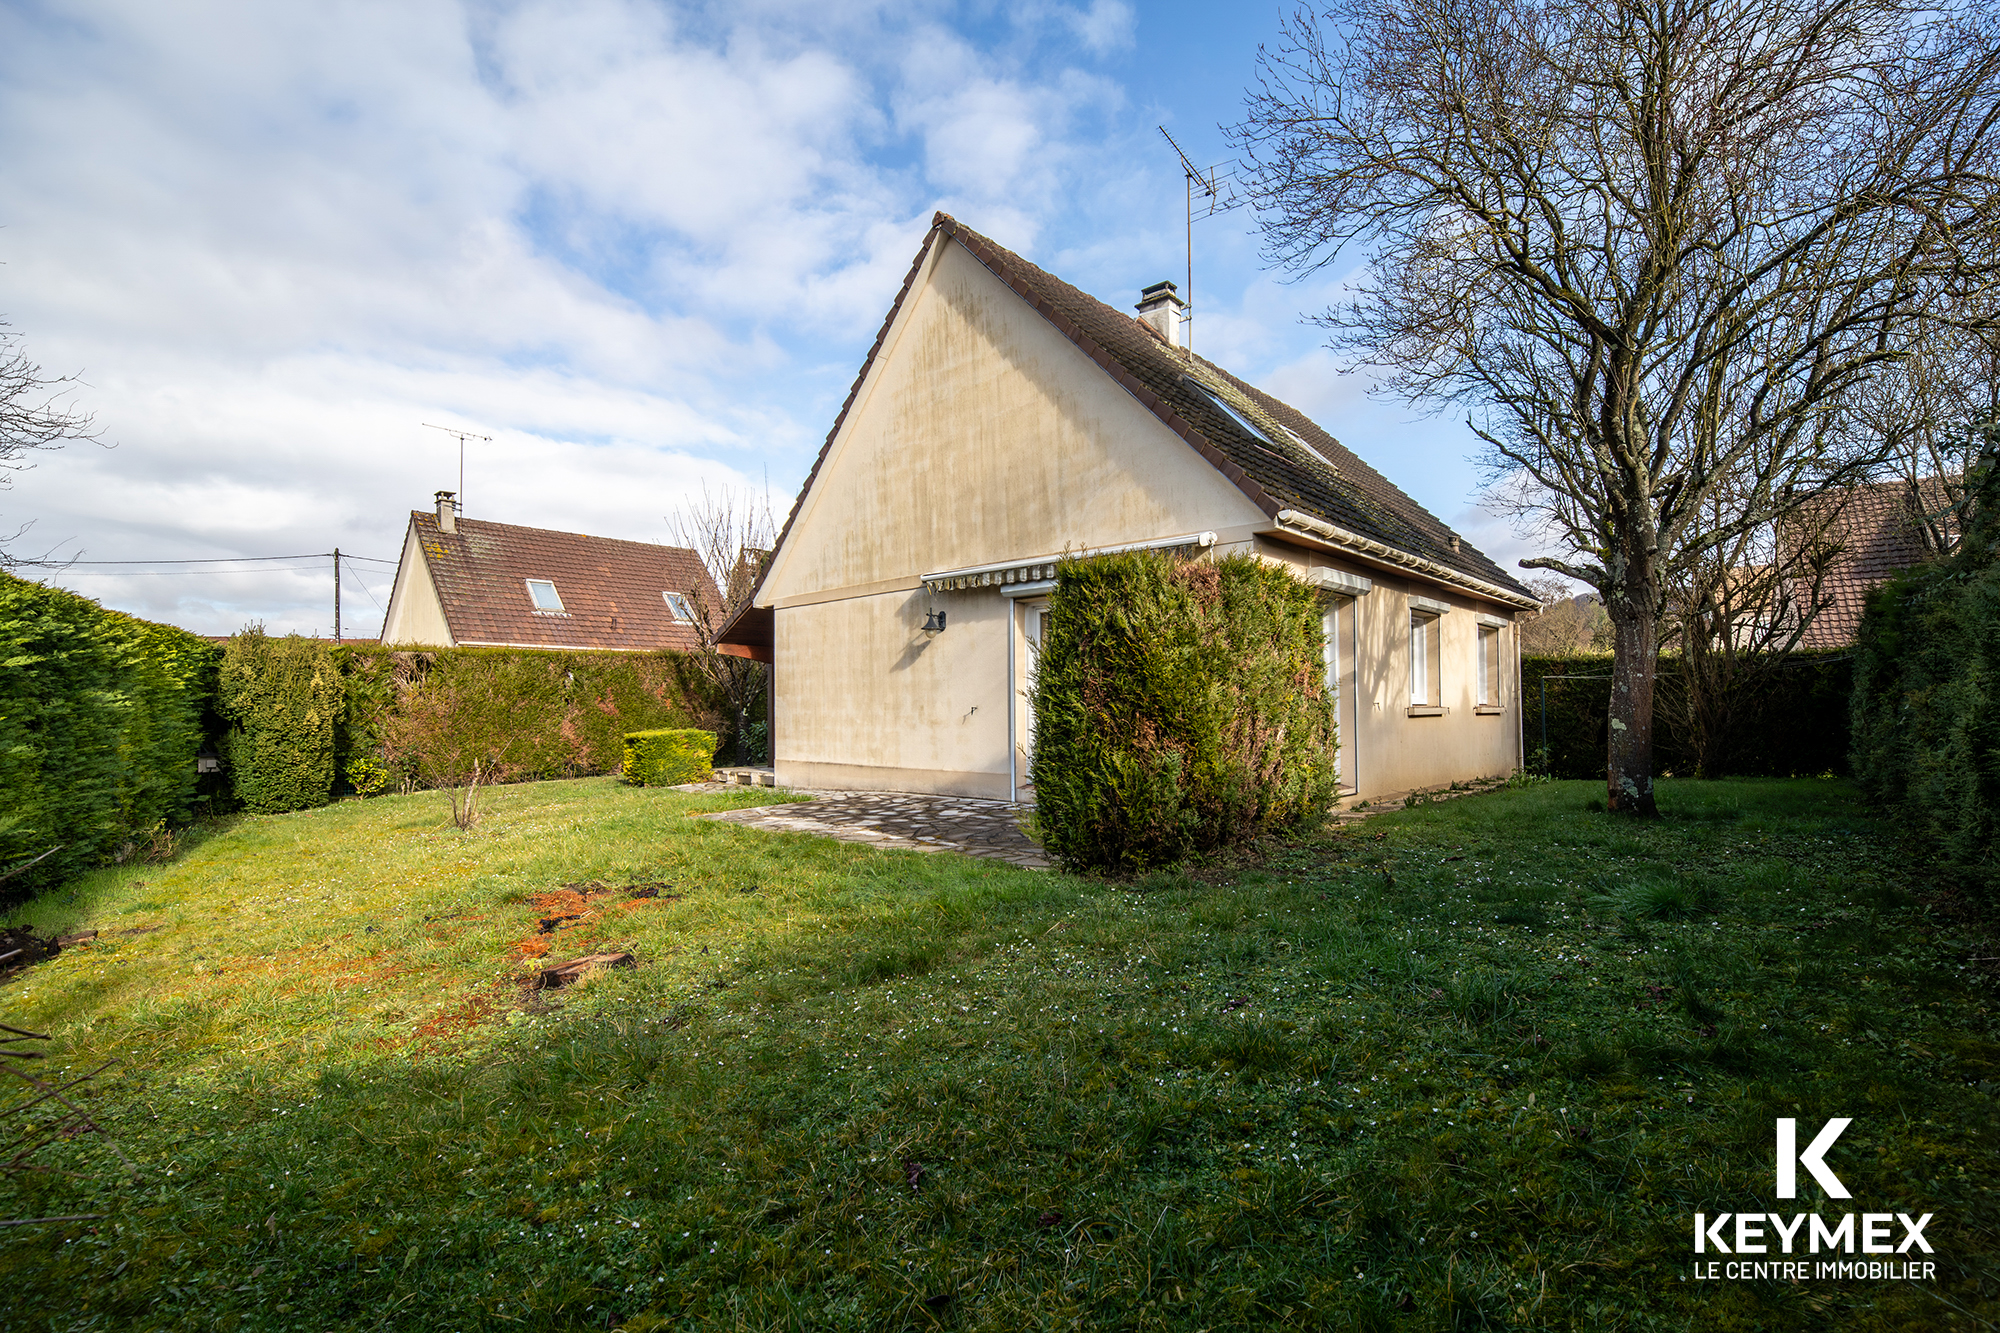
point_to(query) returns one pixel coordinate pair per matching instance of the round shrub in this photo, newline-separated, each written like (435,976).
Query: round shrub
(1180,705)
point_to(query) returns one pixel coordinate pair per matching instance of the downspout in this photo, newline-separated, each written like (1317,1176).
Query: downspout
(1520,706)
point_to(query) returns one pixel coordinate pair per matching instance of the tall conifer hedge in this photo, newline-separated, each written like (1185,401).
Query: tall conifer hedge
(1787,724)
(281,698)
(424,717)
(1180,705)
(1926,723)
(101,719)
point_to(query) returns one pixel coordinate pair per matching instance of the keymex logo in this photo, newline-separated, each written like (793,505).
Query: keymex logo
(1811,1233)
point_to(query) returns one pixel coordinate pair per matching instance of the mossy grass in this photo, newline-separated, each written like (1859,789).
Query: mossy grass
(1470,1065)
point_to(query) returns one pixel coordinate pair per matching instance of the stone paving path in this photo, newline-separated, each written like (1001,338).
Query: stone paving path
(963,823)
(899,819)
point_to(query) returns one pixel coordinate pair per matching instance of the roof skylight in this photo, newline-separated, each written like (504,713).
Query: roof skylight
(678,608)
(1223,406)
(543,594)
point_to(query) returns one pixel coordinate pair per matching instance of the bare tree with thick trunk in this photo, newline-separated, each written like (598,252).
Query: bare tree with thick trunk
(1653,245)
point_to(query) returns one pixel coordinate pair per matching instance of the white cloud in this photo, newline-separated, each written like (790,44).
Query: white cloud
(1106,26)
(643,245)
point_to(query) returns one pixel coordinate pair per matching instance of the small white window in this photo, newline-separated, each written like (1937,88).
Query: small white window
(678,608)
(1489,666)
(1424,638)
(543,594)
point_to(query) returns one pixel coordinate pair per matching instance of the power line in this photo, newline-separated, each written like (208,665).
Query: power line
(212,560)
(356,580)
(180,573)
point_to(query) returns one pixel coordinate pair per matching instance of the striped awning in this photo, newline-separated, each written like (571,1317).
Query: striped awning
(1042,568)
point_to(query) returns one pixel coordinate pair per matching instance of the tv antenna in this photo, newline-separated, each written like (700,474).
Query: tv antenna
(463,436)
(1209,192)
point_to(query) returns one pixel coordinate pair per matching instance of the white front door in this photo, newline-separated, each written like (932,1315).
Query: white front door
(1034,616)
(1340,678)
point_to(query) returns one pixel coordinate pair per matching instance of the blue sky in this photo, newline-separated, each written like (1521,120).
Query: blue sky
(644,246)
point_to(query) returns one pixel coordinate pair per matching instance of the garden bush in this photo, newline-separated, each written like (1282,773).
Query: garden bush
(422,718)
(1180,705)
(1926,733)
(281,698)
(101,719)
(667,758)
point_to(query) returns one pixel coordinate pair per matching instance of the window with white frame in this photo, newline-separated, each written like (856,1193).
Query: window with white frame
(678,607)
(542,593)
(1489,666)
(1425,634)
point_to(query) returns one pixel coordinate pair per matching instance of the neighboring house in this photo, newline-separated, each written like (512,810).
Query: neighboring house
(1878,532)
(1002,419)
(469,583)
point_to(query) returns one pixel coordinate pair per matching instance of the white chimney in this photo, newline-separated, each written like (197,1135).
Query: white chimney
(1161,306)
(447,503)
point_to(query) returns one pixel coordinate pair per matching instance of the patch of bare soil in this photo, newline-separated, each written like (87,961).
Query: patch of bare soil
(20,946)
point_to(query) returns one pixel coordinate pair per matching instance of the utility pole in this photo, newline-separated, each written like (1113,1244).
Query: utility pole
(336,594)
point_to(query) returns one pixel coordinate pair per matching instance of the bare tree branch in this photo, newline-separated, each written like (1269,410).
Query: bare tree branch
(34,416)
(732,535)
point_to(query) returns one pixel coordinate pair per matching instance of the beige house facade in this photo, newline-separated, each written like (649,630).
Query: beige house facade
(1005,419)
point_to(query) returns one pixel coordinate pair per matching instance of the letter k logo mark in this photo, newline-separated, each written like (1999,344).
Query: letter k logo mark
(1813,1159)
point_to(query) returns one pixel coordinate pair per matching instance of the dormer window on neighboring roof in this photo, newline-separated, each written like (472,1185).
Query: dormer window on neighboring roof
(678,608)
(1223,406)
(543,594)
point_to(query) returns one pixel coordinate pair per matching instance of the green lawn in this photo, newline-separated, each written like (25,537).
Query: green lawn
(1471,1065)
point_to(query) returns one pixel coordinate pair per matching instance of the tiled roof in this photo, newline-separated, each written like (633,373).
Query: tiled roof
(1880,533)
(1324,478)
(1300,467)
(610,589)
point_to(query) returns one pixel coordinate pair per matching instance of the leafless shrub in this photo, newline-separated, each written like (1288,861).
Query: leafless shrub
(465,800)
(43,1115)
(1736,614)
(732,534)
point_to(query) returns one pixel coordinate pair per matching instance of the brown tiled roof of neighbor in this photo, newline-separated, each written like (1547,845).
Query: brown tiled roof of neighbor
(611,590)
(1299,467)
(1881,533)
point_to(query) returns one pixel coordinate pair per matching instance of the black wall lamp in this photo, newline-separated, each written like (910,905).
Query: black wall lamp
(934,623)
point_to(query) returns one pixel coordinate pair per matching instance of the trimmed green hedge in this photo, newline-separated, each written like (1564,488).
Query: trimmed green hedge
(421,718)
(101,718)
(282,698)
(1925,726)
(1792,724)
(668,758)
(1180,705)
